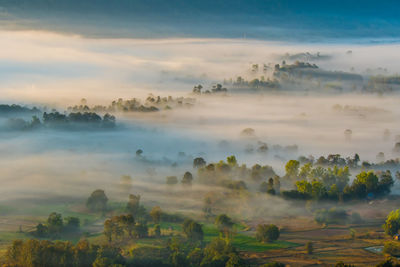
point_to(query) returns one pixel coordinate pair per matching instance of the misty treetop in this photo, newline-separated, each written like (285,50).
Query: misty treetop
(150,104)
(224,173)
(306,76)
(71,121)
(6,110)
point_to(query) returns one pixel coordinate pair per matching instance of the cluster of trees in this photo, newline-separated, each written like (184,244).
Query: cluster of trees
(187,179)
(294,66)
(225,173)
(272,186)
(311,71)
(133,207)
(352,162)
(383,165)
(57,120)
(44,253)
(216,89)
(333,183)
(183,252)
(123,226)
(332,160)
(16,109)
(87,118)
(193,230)
(150,104)
(257,84)
(56,225)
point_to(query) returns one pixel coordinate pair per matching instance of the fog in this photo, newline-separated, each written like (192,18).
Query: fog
(56,70)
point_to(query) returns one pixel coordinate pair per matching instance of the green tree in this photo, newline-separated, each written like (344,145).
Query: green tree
(199,163)
(217,253)
(97,201)
(392,223)
(224,224)
(155,214)
(231,161)
(318,190)
(267,232)
(292,169)
(193,230)
(304,187)
(305,171)
(55,223)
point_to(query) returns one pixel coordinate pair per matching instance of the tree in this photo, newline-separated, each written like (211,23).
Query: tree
(193,230)
(97,201)
(155,214)
(304,187)
(231,161)
(55,223)
(139,152)
(305,171)
(224,224)
(292,169)
(109,229)
(217,253)
(199,162)
(309,248)
(187,178)
(369,179)
(267,232)
(385,183)
(392,223)
(118,226)
(41,230)
(318,190)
